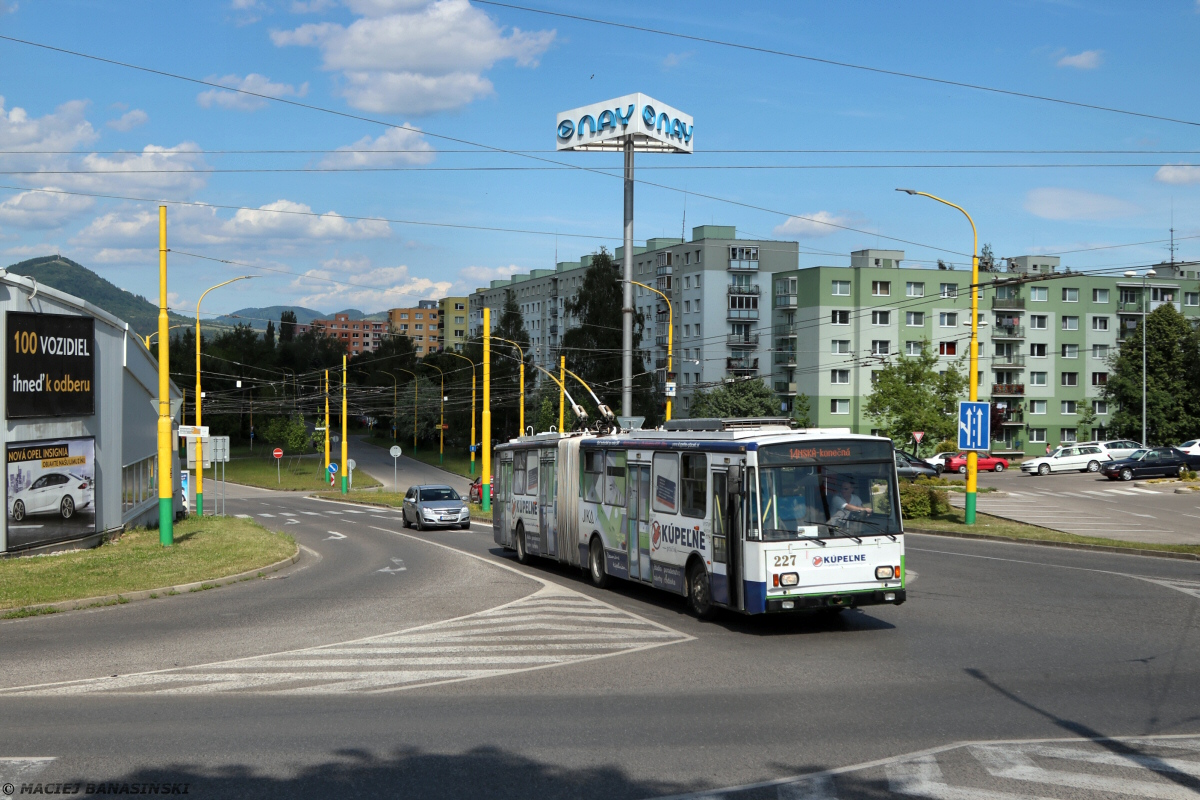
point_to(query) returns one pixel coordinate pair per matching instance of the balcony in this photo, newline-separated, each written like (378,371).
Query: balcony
(783,387)
(1016,417)
(1016,447)
(1008,390)
(660,341)
(785,301)
(554,330)
(1131,307)
(663,284)
(741,366)
(742,289)
(786,358)
(1002,303)
(742,313)
(660,363)
(1008,332)
(741,266)
(1008,361)
(742,340)
(662,317)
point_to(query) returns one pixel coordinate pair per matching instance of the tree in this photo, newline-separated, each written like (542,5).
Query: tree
(547,415)
(287,326)
(269,336)
(944,265)
(1087,418)
(912,394)
(1172,375)
(801,412)
(593,346)
(744,398)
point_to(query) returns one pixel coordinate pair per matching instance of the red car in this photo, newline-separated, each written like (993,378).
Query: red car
(987,463)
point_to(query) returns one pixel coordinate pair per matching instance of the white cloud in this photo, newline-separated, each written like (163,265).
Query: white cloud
(394,146)
(41,209)
(1074,204)
(672,60)
(31,250)
(481,276)
(811,225)
(129,120)
(1088,59)
(297,223)
(375,287)
(65,129)
(259,84)
(415,56)
(311,6)
(1178,173)
(136,171)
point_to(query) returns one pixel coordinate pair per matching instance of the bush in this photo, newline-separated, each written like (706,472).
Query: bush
(922,500)
(946,446)
(1190,475)
(940,480)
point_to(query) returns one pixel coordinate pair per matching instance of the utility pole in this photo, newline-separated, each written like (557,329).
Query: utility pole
(627,289)
(485,483)
(345,445)
(166,480)
(327,420)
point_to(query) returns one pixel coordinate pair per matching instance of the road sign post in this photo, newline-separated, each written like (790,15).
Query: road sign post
(395,454)
(974,434)
(332,470)
(278,458)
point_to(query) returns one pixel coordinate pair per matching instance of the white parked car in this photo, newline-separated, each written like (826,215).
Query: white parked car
(1116,448)
(1069,458)
(1191,447)
(53,493)
(938,461)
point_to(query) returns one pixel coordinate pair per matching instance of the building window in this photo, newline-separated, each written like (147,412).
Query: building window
(1070,295)
(1037,351)
(914,319)
(1099,323)
(1100,351)
(841,317)
(1070,379)
(839,406)
(914,289)
(881,347)
(687,330)
(1037,435)
(841,288)
(696,305)
(1068,407)
(841,346)
(1037,379)
(948,319)
(1068,435)
(417,316)
(881,288)
(697,261)
(687,281)
(881,317)
(1099,379)
(1099,295)
(1039,294)
(1070,323)
(1038,321)
(1100,406)
(839,376)
(949,290)
(1191,298)
(912,348)
(1070,351)
(687,306)
(1037,406)
(948,348)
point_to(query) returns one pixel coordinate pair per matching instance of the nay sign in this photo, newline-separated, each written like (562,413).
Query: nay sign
(653,125)
(974,425)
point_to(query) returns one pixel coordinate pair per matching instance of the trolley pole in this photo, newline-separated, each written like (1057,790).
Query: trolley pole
(166,480)
(485,482)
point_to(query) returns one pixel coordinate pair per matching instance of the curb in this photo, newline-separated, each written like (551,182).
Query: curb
(1096,548)
(167,591)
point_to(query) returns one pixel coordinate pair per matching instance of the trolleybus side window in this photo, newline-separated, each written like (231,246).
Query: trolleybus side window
(518,479)
(643,477)
(692,481)
(593,471)
(755,516)
(666,483)
(614,478)
(531,473)
(720,499)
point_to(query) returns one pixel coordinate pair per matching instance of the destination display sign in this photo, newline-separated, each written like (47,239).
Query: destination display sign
(51,365)
(830,452)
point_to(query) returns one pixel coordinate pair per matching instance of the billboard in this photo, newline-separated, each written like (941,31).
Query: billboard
(51,491)
(654,126)
(51,365)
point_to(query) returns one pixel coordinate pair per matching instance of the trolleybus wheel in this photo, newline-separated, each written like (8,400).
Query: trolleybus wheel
(596,563)
(699,592)
(519,537)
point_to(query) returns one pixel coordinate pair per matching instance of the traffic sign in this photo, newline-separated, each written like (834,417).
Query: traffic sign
(443,427)
(278,453)
(670,389)
(335,438)
(332,468)
(395,451)
(974,425)
(918,436)
(350,465)
(193,430)
(472,448)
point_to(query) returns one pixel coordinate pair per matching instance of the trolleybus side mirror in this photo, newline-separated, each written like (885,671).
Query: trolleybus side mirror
(733,479)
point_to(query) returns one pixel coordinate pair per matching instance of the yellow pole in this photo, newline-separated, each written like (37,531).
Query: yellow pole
(472,363)
(562,392)
(166,481)
(486,455)
(155,333)
(345,444)
(973,377)
(670,332)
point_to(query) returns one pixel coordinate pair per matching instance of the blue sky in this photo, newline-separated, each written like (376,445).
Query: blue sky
(497,76)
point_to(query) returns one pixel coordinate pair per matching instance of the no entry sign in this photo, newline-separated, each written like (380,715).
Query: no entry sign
(278,452)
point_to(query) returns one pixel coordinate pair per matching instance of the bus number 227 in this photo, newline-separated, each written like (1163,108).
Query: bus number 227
(785,561)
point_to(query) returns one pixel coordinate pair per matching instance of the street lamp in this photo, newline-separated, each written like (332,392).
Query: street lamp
(973,378)
(200,439)
(521,414)
(442,420)
(472,363)
(155,333)
(1147,274)
(670,330)
(415,382)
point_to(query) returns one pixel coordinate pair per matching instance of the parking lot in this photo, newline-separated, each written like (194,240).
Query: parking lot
(1091,505)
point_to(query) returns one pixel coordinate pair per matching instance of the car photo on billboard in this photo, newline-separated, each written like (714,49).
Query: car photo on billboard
(51,491)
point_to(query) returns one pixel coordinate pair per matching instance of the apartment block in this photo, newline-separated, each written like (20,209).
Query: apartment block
(421,324)
(359,335)
(452,332)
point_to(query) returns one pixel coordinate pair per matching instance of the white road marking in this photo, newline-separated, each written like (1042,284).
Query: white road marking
(20,770)
(397,566)
(286,514)
(1143,491)
(1120,491)
(271,516)
(311,513)
(242,516)
(334,535)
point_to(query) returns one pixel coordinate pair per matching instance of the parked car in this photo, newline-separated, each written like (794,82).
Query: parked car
(1158,462)
(938,461)
(987,463)
(475,491)
(1087,457)
(1191,451)
(53,493)
(1116,448)
(909,467)
(434,505)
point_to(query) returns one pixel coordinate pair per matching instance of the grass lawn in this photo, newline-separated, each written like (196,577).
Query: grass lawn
(204,549)
(994,526)
(297,473)
(456,462)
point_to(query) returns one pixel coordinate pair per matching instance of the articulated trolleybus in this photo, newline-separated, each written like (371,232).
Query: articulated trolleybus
(748,515)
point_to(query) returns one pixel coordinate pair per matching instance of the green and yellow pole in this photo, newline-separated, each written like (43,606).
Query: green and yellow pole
(345,444)
(562,392)
(486,475)
(973,376)
(472,363)
(166,481)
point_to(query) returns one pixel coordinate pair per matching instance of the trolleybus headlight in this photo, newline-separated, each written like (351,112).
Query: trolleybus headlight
(884,573)
(789,579)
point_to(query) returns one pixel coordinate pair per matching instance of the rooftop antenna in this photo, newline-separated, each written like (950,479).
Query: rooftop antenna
(683,227)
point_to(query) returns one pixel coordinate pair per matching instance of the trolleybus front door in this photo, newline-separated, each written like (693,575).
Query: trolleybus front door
(638,522)
(726,543)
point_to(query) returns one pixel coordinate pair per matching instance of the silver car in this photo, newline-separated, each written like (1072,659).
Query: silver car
(434,505)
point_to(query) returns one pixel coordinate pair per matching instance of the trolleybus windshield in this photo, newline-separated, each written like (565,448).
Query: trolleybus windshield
(827,490)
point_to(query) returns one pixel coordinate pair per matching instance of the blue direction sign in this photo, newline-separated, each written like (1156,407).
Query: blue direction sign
(333,468)
(974,425)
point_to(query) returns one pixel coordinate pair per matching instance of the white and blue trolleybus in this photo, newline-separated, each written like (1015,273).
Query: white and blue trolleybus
(747,515)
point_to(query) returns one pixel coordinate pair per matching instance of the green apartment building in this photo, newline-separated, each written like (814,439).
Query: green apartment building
(1044,345)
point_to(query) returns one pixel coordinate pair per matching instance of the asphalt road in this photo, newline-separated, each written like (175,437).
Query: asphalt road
(395,664)
(1092,505)
(376,462)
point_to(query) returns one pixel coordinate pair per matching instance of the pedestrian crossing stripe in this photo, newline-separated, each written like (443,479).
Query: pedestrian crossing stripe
(552,627)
